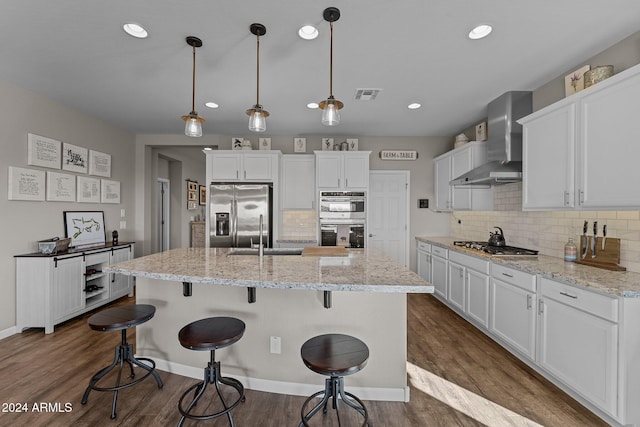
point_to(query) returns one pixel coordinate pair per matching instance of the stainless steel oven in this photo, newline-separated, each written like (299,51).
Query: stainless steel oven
(342,205)
(339,233)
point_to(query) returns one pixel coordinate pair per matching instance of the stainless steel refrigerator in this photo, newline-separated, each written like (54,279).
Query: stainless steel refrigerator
(235,210)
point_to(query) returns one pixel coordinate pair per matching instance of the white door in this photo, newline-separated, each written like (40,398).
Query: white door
(164,206)
(388,213)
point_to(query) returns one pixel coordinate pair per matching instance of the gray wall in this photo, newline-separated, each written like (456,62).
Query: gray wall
(24,223)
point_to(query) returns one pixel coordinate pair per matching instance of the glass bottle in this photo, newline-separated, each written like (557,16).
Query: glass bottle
(570,251)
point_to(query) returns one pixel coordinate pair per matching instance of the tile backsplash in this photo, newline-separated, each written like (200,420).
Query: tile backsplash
(548,231)
(298,224)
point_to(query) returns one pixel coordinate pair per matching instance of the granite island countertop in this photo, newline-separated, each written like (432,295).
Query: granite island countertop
(618,283)
(366,270)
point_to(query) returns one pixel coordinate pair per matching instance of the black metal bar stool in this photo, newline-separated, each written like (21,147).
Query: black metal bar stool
(335,355)
(122,318)
(211,334)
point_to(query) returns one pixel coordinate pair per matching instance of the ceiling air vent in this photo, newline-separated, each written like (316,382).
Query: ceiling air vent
(366,94)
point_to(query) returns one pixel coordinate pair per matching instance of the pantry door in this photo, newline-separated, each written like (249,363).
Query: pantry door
(388,214)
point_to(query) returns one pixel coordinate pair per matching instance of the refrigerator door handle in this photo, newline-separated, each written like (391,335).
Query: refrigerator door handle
(234,219)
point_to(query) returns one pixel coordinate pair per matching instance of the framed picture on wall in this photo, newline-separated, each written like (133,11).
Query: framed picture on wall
(203,195)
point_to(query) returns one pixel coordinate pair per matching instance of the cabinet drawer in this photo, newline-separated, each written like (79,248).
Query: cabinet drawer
(425,247)
(471,262)
(97,258)
(515,277)
(441,252)
(591,302)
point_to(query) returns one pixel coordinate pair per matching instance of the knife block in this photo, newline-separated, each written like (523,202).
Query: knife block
(609,258)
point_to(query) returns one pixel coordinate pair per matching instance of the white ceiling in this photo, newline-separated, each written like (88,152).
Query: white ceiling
(414,50)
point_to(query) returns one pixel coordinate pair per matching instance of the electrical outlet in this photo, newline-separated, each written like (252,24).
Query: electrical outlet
(275,345)
(123,225)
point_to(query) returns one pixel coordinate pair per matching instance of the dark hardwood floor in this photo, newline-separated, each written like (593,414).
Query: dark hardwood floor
(458,377)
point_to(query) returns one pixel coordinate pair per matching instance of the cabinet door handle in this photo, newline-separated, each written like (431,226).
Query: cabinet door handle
(245,174)
(529,299)
(507,274)
(237,173)
(581,196)
(566,294)
(566,198)
(313,204)
(540,307)
(338,182)
(346,182)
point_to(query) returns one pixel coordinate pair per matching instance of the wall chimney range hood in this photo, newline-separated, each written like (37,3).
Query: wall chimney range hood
(504,145)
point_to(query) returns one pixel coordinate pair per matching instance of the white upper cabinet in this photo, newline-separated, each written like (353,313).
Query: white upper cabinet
(579,152)
(342,170)
(229,165)
(451,165)
(298,181)
(549,149)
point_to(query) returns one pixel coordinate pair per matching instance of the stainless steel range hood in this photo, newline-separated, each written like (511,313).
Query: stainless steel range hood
(504,145)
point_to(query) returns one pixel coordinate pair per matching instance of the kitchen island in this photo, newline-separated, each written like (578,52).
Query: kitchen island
(368,301)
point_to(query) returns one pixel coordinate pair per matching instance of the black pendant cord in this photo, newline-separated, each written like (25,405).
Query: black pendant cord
(258,70)
(193,82)
(331,60)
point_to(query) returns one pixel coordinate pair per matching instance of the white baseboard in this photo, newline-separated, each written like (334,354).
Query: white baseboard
(281,387)
(8,332)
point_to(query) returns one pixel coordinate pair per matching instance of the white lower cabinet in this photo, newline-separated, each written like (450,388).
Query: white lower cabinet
(456,296)
(51,289)
(423,251)
(579,341)
(478,297)
(585,342)
(513,314)
(469,287)
(439,271)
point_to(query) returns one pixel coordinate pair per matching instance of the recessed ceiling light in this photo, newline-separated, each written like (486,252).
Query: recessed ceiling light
(211,105)
(414,106)
(480,31)
(312,105)
(135,30)
(308,32)
(207,148)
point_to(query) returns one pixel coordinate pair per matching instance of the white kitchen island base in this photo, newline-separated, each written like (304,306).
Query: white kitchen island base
(378,319)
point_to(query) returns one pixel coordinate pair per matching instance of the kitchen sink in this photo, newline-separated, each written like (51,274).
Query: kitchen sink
(267,251)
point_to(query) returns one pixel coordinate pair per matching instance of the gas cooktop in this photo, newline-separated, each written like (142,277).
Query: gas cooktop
(495,250)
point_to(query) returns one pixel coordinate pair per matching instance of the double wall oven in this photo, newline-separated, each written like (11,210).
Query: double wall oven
(342,218)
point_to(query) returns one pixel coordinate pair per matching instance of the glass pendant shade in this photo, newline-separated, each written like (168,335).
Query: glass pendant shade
(193,126)
(257,119)
(330,114)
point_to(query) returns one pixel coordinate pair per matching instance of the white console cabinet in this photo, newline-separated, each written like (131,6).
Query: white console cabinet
(53,288)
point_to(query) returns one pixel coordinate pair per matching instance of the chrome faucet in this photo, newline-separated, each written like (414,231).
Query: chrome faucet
(261,247)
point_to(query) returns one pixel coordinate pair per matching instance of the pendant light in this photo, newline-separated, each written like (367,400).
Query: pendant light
(193,126)
(257,115)
(331,106)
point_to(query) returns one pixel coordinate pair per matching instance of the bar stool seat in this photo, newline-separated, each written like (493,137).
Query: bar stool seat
(211,334)
(334,355)
(114,319)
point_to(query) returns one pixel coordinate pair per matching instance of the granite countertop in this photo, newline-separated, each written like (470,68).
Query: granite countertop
(365,270)
(619,283)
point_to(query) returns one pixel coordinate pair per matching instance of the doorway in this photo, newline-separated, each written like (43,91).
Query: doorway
(163,219)
(388,222)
